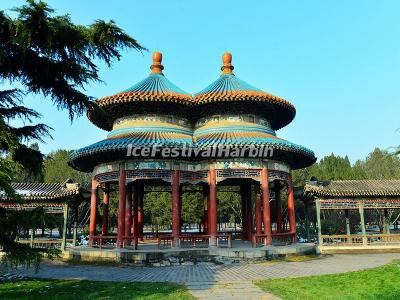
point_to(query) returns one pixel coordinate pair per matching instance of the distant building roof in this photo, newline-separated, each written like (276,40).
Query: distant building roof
(353,188)
(44,191)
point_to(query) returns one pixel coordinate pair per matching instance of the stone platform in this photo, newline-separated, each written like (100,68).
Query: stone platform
(358,249)
(149,255)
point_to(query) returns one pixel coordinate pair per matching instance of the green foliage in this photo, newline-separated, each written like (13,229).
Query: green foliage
(49,55)
(378,283)
(18,221)
(83,289)
(379,164)
(56,169)
(229,207)
(192,208)
(157,206)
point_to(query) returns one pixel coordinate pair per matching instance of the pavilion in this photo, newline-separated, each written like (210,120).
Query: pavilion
(55,198)
(354,198)
(227,113)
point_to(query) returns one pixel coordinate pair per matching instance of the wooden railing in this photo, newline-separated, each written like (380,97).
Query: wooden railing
(38,243)
(111,240)
(195,241)
(356,239)
(165,242)
(224,240)
(283,238)
(103,240)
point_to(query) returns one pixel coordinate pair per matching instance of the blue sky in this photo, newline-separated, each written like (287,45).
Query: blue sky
(338,62)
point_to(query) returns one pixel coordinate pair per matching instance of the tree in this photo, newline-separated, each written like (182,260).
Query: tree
(157,205)
(192,208)
(229,207)
(46,54)
(56,169)
(379,164)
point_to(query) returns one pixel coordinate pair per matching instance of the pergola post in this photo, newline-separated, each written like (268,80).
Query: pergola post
(266,206)
(32,237)
(64,236)
(121,206)
(348,232)
(135,215)
(291,209)
(362,222)
(258,206)
(318,210)
(212,209)
(106,201)
(128,213)
(278,207)
(93,207)
(75,234)
(307,219)
(176,207)
(386,221)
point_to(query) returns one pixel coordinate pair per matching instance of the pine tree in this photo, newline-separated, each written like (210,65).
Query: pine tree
(45,54)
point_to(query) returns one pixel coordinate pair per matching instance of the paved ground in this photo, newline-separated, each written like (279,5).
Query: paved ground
(219,281)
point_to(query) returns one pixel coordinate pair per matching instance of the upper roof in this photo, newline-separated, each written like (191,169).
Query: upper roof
(229,88)
(353,188)
(140,98)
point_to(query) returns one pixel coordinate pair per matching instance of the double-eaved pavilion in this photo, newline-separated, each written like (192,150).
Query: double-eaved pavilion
(229,112)
(357,196)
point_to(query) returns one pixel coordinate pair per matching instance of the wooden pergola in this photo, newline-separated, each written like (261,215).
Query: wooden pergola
(54,198)
(355,195)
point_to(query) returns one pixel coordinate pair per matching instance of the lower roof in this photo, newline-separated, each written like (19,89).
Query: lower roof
(109,150)
(39,191)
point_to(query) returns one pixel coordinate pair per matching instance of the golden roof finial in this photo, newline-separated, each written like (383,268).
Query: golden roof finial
(157,67)
(227,67)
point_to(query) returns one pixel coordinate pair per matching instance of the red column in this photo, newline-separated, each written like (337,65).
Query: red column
(135,228)
(205,216)
(244,214)
(128,213)
(258,213)
(93,206)
(266,208)
(176,206)
(121,206)
(106,200)
(212,208)
(278,207)
(291,210)
(249,211)
(140,211)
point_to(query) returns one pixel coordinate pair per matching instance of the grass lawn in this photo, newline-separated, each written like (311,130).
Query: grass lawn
(379,283)
(82,289)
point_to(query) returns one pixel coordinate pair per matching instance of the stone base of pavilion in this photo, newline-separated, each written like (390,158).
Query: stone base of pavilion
(149,254)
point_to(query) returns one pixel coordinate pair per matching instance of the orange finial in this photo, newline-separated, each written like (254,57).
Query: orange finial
(227,63)
(157,67)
